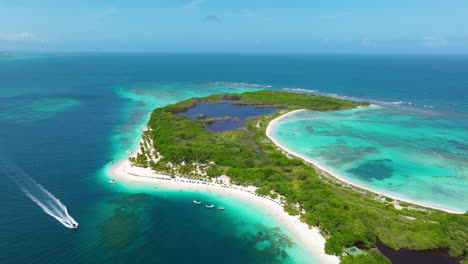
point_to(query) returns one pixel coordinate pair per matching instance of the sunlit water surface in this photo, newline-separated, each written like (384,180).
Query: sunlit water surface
(64,117)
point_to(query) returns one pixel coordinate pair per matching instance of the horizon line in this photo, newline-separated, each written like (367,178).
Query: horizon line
(3,52)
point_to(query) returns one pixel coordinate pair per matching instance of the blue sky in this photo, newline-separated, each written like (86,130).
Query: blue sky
(358,26)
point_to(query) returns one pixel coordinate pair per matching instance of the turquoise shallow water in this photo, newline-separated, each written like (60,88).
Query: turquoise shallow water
(63,117)
(241,229)
(417,154)
(204,235)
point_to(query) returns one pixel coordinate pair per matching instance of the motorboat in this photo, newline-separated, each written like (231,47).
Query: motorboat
(208,205)
(196,202)
(112,181)
(220,208)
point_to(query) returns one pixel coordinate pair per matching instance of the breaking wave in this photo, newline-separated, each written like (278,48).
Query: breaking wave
(242,84)
(375,102)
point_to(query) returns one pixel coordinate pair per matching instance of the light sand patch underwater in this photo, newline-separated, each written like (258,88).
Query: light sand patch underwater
(419,158)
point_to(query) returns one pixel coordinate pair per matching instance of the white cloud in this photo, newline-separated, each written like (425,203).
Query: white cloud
(22,37)
(433,41)
(193,4)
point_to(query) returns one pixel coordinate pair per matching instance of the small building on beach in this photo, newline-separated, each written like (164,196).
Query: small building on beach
(354,251)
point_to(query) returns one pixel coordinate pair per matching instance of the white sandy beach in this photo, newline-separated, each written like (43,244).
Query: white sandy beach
(309,237)
(269,133)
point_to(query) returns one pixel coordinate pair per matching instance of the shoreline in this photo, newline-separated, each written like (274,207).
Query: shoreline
(310,237)
(269,134)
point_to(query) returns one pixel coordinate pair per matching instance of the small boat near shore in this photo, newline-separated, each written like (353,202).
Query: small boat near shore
(209,206)
(196,202)
(112,181)
(220,208)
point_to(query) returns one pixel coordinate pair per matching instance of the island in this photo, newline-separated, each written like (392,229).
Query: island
(236,154)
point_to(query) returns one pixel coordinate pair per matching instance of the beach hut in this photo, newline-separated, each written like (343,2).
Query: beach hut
(354,251)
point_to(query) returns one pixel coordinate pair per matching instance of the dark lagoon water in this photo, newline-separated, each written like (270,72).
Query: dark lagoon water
(63,117)
(406,256)
(243,112)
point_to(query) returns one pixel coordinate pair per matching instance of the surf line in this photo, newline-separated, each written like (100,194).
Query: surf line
(38,194)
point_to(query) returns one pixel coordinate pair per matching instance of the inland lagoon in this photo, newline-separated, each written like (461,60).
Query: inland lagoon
(65,117)
(225,115)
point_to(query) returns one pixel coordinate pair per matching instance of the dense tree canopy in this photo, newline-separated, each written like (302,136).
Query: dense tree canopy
(345,216)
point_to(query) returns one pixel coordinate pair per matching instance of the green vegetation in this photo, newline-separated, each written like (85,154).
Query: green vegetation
(294,100)
(345,216)
(374,257)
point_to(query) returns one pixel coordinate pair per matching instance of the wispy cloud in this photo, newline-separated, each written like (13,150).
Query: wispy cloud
(335,15)
(21,37)
(433,41)
(194,3)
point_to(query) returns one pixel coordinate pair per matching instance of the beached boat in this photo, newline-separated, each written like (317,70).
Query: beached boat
(112,181)
(209,205)
(196,202)
(220,208)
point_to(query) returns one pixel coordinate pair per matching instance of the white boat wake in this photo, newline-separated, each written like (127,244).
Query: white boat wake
(49,204)
(37,193)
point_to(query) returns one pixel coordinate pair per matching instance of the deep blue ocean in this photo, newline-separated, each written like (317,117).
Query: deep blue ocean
(64,117)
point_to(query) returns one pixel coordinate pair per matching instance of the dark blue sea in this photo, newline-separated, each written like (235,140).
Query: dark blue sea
(64,117)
